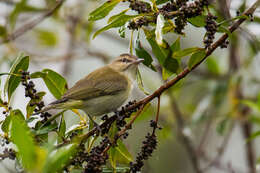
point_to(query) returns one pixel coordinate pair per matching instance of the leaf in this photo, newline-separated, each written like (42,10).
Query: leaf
(6,124)
(140,83)
(212,65)
(56,84)
(58,159)
(30,108)
(198,21)
(185,52)
(112,18)
(169,26)
(117,170)
(158,30)
(112,157)
(23,139)
(120,21)
(12,81)
(62,129)
(160,53)
(176,46)
(223,29)
(46,129)
(46,37)
(196,58)
(171,64)
(103,10)
(121,31)
(166,74)
(143,54)
(121,148)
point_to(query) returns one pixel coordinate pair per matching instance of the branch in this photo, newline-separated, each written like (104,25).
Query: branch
(180,76)
(186,71)
(30,25)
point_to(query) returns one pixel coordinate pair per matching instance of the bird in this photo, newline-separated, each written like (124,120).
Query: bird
(102,91)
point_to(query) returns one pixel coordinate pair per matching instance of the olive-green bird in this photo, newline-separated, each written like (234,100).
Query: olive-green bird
(102,91)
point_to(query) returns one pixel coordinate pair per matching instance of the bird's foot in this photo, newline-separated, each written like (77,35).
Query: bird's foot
(98,128)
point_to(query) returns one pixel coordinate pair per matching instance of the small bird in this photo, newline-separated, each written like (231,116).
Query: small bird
(103,90)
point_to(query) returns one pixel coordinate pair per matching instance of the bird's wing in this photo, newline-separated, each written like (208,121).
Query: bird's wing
(104,81)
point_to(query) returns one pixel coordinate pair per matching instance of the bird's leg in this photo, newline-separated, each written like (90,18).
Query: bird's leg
(82,118)
(95,123)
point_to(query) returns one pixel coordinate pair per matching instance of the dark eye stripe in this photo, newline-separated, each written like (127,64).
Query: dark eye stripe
(125,60)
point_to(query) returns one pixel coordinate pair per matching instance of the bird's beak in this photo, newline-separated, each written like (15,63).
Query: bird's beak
(138,61)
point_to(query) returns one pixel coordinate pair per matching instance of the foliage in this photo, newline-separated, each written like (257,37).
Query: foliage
(46,143)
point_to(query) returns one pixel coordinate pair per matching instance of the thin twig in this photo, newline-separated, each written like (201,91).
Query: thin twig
(30,25)
(181,75)
(185,139)
(221,149)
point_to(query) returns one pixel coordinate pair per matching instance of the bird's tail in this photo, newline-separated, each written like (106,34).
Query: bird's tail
(58,104)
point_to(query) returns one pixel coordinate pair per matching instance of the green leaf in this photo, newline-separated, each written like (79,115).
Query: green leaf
(29,108)
(103,10)
(185,52)
(46,37)
(160,53)
(112,157)
(113,18)
(6,124)
(212,65)
(158,30)
(176,46)
(196,58)
(23,139)
(171,64)
(168,27)
(12,81)
(166,74)
(121,31)
(121,148)
(198,21)
(120,21)
(56,84)
(62,129)
(58,159)
(223,29)
(140,82)
(46,129)
(143,54)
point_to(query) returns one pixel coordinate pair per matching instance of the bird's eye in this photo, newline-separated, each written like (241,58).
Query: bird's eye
(125,60)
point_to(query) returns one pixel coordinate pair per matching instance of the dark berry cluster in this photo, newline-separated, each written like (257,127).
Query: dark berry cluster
(149,145)
(140,6)
(5,104)
(224,44)
(138,23)
(124,113)
(97,157)
(31,92)
(211,28)
(182,10)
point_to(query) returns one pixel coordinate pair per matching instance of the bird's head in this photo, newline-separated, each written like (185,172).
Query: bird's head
(126,63)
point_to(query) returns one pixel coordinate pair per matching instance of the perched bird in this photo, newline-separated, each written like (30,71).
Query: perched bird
(102,91)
